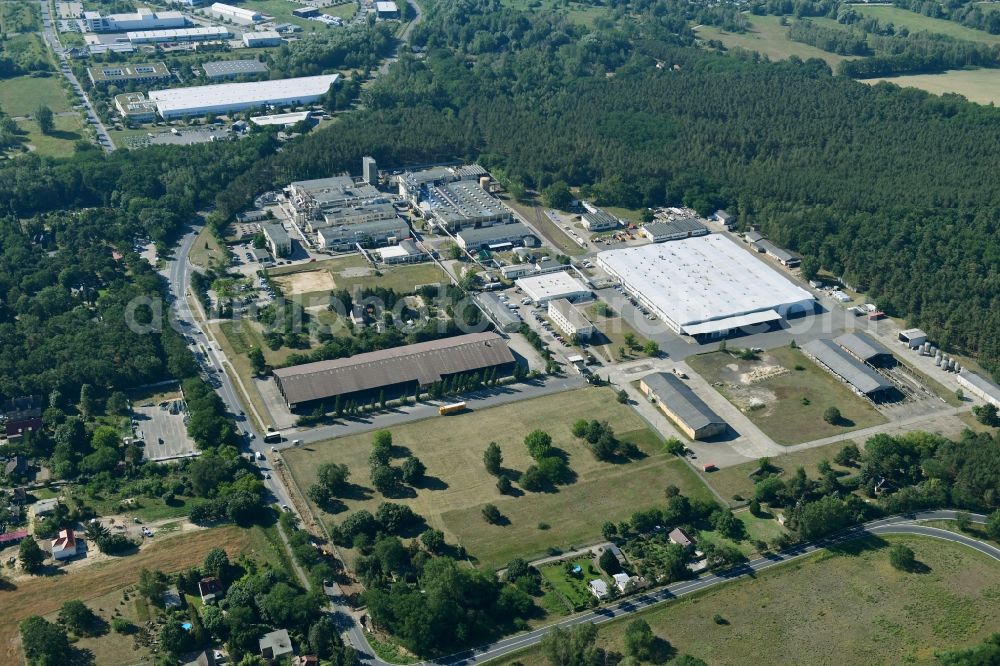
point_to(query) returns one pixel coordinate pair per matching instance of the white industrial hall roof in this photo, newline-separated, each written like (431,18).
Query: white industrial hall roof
(705,279)
(223,97)
(544,288)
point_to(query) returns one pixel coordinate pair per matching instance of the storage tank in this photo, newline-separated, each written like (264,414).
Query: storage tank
(937,361)
(958,367)
(951,365)
(927,348)
(484,182)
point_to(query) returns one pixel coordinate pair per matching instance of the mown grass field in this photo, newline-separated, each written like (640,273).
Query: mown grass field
(831,609)
(45,594)
(976,85)
(794,402)
(207,249)
(353,272)
(768,37)
(22,95)
(459,486)
(61,142)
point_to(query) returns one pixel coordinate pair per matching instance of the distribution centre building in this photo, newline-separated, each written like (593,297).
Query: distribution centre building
(859,376)
(396,372)
(227,97)
(707,286)
(682,405)
(544,288)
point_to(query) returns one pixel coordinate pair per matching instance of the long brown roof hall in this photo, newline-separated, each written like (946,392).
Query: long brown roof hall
(400,367)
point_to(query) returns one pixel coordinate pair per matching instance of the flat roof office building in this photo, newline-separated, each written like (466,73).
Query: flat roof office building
(366,234)
(139,74)
(569,320)
(277,239)
(544,288)
(515,233)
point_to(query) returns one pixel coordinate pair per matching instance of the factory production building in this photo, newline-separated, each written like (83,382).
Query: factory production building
(980,387)
(544,288)
(143,19)
(865,349)
(200,34)
(310,198)
(859,376)
(569,320)
(413,185)
(228,97)
(671,230)
(494,237)
(506,320)
(146,73)
(230,69)
(393,372)
(682,406)
(365,234)
(706,287)
(464,204)
(235,14)
(379,209)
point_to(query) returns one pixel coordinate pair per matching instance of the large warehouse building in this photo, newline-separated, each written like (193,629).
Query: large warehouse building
(858,376)
(227,97)
(705,287)
(394,371)
(682,406)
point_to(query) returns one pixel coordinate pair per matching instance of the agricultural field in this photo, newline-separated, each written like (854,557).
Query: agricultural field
(22,95)
(458,485)
(851,599)
(976,85)
(768,37)
(45,594)
(353,272)
(731,482)
(785,394)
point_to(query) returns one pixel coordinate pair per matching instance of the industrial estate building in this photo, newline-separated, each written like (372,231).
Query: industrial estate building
(365,234)
(228,97)
(277,239)
(143,19)
(200,34)
(598,220)
(393,372)
(979,386)
(376,209)
(235,14)
(146,73)
(859,376)
(862,347)
(706,286)
(463,204)
(544,288)
(725,219)
(682,406)
(135,106)
(670,230)
(506,319)
(261,39)
(310,199)
(406,252)
(570,320)
(501,236)
(782,256)
(230,69)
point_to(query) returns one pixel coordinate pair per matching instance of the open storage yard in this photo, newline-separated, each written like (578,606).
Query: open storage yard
(845,607)
(785,394)
(458,485)
(353,272)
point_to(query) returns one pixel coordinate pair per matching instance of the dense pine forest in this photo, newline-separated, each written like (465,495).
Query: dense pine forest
(895,190)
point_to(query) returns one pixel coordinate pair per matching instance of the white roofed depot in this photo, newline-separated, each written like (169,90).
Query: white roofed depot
(705,286)
(226,97)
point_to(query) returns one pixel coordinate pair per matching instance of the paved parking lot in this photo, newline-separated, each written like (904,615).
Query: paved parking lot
(158,424)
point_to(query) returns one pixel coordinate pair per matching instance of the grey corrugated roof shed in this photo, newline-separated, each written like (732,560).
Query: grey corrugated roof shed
(862,346)
(496,232)
(853,371)
(774,250)
(221,68)
(685,226)
(501,313)
(424,362)
(681,400)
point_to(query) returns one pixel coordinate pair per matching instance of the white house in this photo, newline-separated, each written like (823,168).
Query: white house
(598,588)
(64,546)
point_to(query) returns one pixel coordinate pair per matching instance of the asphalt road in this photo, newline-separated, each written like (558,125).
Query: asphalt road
(103,138)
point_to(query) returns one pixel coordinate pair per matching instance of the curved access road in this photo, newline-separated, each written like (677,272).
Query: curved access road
(904,524)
